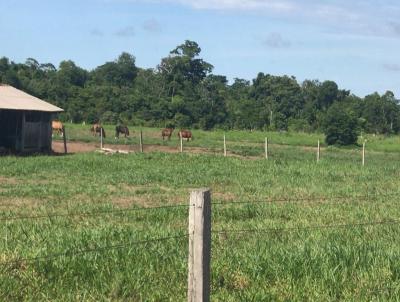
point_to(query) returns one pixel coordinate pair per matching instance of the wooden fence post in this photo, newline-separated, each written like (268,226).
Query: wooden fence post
(101,137)
(141,141)
(199,246)
(318,151)
(224,145)
(64,139)
(266,147)
(181,140)
(363,154)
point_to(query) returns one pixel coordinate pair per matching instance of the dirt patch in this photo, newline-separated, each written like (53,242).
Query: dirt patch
(8,180)
(16,203)
(146,196)
(128,201)
(74,147)
(146,201)
(224,196)
(169,149)
(83,147)
(139,189)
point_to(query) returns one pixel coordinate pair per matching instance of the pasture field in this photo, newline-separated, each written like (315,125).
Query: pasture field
(82,227)
(240,142)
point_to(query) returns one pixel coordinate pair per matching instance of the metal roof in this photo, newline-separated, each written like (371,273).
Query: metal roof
(14,99)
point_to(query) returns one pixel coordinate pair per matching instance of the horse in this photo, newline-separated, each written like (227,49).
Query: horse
(57,127)
(121,129)
(98,129)
(185,134)
(167,132)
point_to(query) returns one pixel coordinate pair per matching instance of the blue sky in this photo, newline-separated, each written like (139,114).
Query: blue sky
(355,43)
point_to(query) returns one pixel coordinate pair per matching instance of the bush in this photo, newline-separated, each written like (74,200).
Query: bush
(340,126)
(181,120)
(110,117)
(298,125)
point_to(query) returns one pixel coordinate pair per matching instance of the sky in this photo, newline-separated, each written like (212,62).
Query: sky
(354,43)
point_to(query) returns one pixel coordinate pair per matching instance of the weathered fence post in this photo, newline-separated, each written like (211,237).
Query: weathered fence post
(181,140)
(318,151)
(266,147)
(224,145)
(199,246)
(141,141)
(363,154)
(64,139)
(101,137)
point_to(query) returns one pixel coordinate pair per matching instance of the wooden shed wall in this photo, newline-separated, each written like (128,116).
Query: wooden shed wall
(25,131)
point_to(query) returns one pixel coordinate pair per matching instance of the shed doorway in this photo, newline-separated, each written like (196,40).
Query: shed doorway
(10,129)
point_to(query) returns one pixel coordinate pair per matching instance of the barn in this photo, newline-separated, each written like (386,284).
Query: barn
(25,121)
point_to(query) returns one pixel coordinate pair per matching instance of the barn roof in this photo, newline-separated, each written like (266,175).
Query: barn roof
(15,99)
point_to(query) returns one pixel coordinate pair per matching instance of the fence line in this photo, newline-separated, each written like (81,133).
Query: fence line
(167,207)
(91,250)
(200,249)
(294,199)
(305,228)
(88,214)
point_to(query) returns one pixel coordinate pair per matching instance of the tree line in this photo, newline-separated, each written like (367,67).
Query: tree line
(182,91)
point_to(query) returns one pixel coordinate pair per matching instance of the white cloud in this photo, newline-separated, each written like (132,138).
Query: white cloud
(395,27)
(96,32)
(275,5)
(152,26)
(275,40)
(128,31)
(392,67)
(272,5)
(363,17)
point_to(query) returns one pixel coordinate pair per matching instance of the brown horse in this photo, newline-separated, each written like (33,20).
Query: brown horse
(57,127)
(98,129)
(185,134)
(167,132)
(121,130)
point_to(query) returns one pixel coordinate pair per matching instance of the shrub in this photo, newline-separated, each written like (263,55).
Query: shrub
(340,126)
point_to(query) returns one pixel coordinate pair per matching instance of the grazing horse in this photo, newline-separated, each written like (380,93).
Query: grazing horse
(121,129)
(185,134)
(98,129)
(167,132)
(57,127)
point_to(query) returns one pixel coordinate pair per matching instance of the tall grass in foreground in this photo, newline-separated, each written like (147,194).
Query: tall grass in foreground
(288,199)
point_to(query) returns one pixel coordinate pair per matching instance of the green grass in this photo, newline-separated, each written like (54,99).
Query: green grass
(205,139)
(360,263)
(242,143)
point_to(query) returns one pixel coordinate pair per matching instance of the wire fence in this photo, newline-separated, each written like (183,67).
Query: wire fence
(187,206)
(308,228)
(339,225)
(74,253)
(308,199)
(227,143)
(91,214)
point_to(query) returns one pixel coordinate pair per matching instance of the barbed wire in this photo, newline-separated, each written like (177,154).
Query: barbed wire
(305,228)
(88,214)
(90,250)
(167,207)
(301,199)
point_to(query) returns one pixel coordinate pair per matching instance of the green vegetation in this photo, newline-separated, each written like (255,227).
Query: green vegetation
(340,127)
(352,263)
(238,141)
(182,91)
